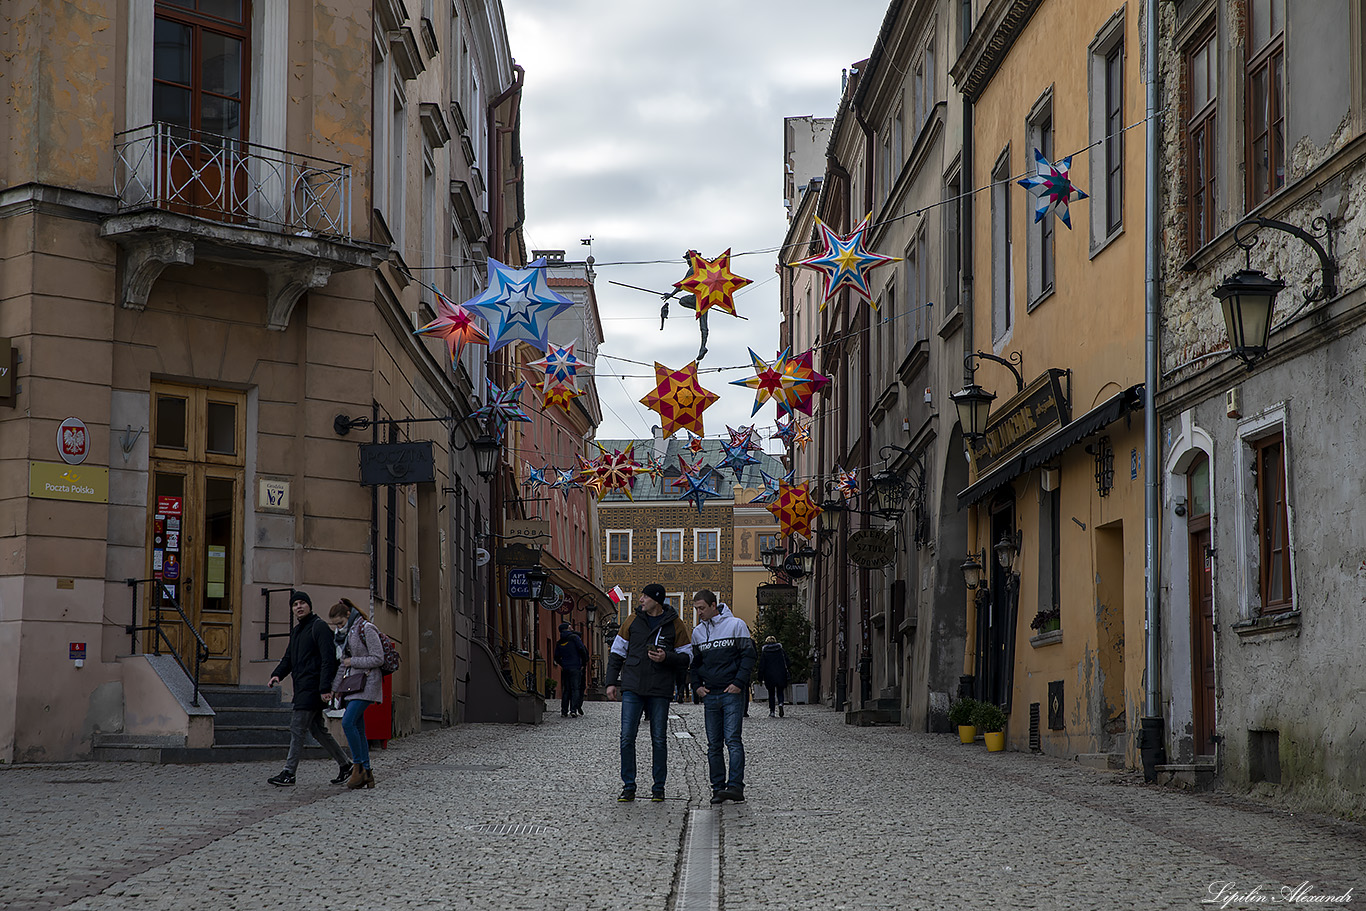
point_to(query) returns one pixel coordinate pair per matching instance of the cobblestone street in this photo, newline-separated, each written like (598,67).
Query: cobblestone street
(496,817)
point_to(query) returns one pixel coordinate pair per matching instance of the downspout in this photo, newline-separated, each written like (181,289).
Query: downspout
(1151,737)
(967,248)
(865,393)
(839,671)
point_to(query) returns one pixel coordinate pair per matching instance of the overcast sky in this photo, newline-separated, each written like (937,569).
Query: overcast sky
(655,126)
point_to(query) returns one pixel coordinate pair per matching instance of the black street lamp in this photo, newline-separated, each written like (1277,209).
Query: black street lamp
(536,579)
(485,455)
(974,407)
(1007,549)
(972,570)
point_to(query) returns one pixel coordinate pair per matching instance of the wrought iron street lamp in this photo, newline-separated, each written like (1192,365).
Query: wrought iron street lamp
(972,401)
(1007,549)
(536,578)
(972,570)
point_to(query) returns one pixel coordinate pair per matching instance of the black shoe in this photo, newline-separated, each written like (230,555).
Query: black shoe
(657,796)
(736,794)
(286,779)
(627,794)
(564,714)
(771,715)
(718,797)
(780,711)
(343,773)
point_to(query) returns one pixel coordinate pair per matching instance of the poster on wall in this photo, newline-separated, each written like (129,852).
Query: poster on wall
(216,571)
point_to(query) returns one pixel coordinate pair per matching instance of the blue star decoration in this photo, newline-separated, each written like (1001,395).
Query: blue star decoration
(737,456)
(1053,187)
(845,262)
(770,486)
(698,489)
(564,481)
(519,305)
(535,479)
(504,405)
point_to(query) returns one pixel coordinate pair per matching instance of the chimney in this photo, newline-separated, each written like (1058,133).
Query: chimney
(661,442)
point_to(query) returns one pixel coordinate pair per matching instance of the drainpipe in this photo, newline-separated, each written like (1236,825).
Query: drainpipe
(1151,737)
(865,580)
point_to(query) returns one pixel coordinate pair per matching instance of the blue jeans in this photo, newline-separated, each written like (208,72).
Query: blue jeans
(724,714)
(353,723)
(633,707)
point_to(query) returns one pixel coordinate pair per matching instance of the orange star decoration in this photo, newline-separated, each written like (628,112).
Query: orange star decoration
(618,469)
(793,509)
(679,399)
(712,283)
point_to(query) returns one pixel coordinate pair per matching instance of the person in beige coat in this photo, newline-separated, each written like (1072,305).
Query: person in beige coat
(362,655)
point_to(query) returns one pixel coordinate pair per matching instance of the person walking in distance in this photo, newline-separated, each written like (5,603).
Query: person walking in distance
(723,660)
(572,657)
(359,681)
(311,657)
(773,673)
(646,653)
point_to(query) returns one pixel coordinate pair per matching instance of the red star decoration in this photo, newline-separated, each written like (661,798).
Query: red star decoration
(679,399)
(712,283)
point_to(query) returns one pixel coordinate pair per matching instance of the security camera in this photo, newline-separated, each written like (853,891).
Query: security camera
(1180,505)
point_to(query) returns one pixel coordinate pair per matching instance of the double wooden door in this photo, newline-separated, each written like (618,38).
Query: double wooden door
(195,514)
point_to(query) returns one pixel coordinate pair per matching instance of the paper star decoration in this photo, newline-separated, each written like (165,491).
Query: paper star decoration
(799,367)
(793,509)
(455,325)
(652,467)
(519,304)
(698,490)
(772,382)
(503,406)
(590,475)
(737,456)
(794,433)
(618,470)
(744,436)
(679,399)
(712,283)
(559,385)
(564,481)
(845,262)
(1053,187)
(771,486)
(846,482)
(535,479)
(694,443)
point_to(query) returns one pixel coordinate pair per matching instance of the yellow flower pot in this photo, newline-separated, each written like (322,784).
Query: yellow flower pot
(967,733)
(996,741)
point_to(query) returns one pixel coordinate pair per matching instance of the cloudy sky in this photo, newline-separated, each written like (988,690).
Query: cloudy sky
(655,126)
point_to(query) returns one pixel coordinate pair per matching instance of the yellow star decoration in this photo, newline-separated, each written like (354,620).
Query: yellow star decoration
(793,508)
(712,283)
(679,399)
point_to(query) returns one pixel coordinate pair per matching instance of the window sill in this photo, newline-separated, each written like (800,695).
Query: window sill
(1099,246)
(1043,640)
(1285,622)
(1044,295)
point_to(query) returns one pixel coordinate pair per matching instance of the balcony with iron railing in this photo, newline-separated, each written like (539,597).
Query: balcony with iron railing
(185,194)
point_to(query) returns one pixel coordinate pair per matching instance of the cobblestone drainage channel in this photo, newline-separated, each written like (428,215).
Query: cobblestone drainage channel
(509,829)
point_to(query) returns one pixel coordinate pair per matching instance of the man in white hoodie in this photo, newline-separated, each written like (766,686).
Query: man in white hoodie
(723,660)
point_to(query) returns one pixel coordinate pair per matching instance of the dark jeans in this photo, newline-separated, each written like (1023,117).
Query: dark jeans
(303,723)
(571,680)
(633,708)
(775,697)
(724,714)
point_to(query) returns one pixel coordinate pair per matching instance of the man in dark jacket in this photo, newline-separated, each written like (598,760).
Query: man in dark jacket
(572,657)
(773,673)
(722,664)
(311,657)
(649,648)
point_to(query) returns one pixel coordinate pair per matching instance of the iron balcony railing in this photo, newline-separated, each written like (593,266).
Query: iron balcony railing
(163,166)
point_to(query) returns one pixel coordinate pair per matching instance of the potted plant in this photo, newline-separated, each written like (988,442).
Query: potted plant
(1047,620)
(992,721)
(960,715)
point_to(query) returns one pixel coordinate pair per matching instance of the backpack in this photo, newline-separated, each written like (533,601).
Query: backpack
(392,659)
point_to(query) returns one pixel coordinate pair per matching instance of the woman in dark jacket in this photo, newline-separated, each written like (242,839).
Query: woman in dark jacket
(773,673)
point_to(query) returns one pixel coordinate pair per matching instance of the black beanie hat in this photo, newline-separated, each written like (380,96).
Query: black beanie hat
(297,595)
(654,591)
(564,626)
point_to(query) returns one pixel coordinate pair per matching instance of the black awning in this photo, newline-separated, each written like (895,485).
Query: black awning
(1051,446)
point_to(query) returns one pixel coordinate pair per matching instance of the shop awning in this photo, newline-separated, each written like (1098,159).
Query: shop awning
(1053,445)
(577,586)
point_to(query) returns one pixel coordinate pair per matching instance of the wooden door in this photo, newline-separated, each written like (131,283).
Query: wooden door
(1201,608)
(195,541)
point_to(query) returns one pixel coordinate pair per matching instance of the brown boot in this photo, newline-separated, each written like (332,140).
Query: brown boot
(357,779)
(369,778)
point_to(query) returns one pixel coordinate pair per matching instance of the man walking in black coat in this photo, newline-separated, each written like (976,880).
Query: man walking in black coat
(312,658)
(572,657)
(773,673)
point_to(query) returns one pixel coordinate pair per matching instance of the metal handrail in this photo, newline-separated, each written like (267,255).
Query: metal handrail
(160,598)
(166,166)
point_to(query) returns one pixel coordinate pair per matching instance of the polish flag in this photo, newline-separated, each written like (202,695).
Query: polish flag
(617,595)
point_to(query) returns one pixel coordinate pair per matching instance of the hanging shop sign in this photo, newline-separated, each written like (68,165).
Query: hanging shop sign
(872,549)
(519,583)
(772,595)
(1029,416)
(6,370)
(397,463)
(73,441)
(518,555)
(532,529)
(552,596)
(59,481)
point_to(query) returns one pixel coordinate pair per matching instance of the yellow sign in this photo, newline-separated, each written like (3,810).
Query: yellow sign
(216,571)
(59,481)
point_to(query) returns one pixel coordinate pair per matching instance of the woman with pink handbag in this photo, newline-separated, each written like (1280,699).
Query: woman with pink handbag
(358,683)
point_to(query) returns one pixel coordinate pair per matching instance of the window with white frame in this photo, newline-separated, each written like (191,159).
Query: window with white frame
(1264,99)
(398,153)
(619,546)
(1002,309)
(1106,117)
(1266,510)
(675,600)
(922,89)
(706,545)
(1201,140)
(670,545)
(1042,235)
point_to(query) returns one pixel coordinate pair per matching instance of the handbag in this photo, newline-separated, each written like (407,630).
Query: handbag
(351,683)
